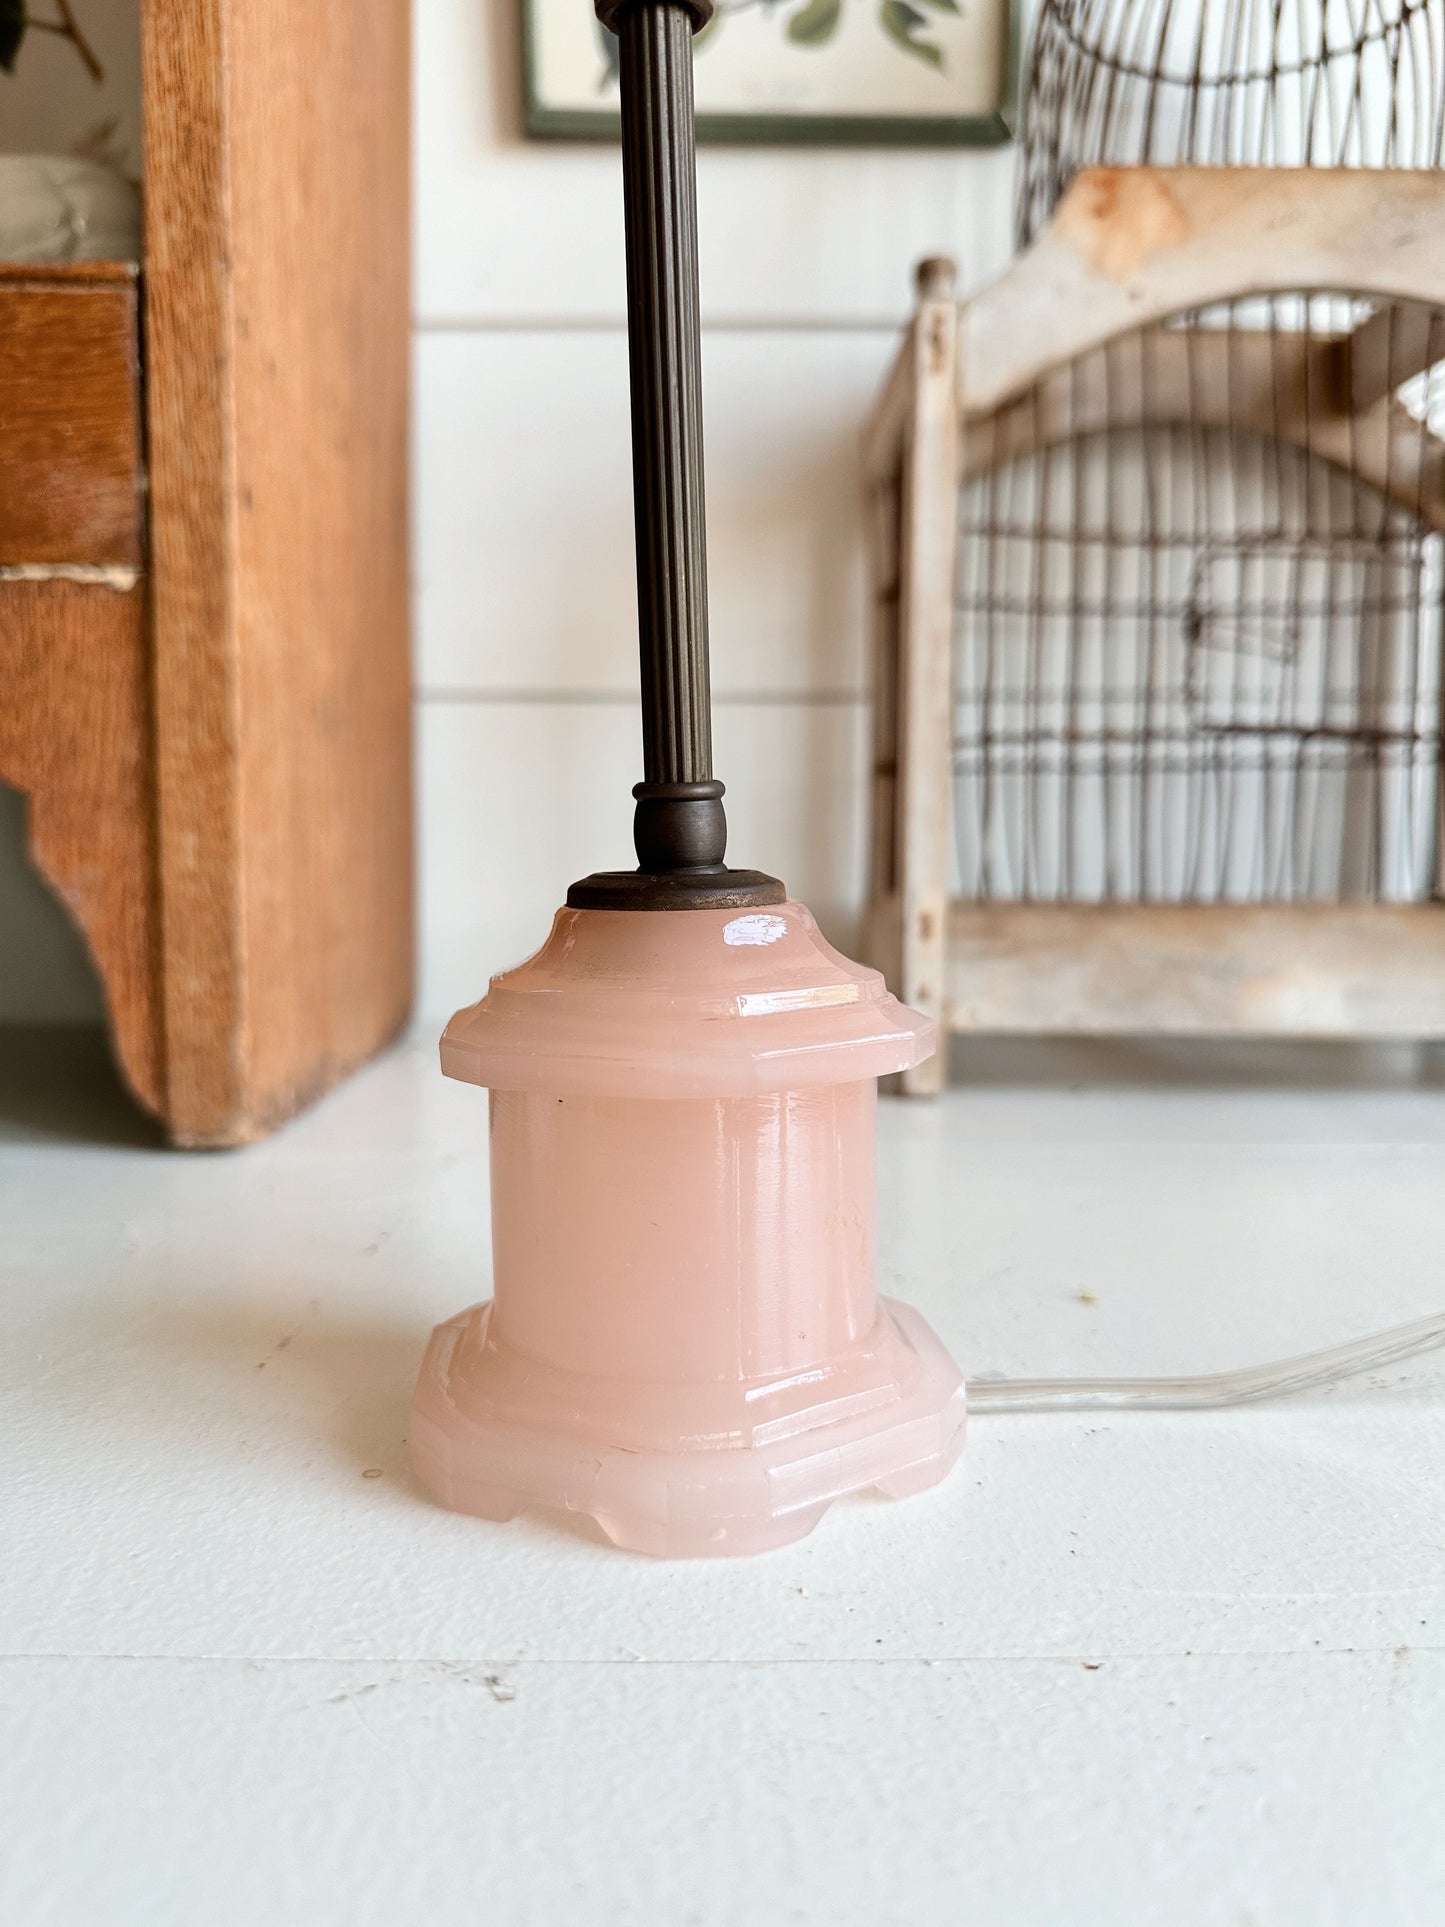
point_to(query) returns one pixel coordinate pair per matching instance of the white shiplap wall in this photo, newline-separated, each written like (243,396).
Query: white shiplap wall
(526,683)
(525,628)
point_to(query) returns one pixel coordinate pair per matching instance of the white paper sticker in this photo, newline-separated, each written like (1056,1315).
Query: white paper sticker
(757,929)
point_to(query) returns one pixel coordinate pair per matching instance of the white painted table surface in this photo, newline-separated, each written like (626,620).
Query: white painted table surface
(1119,1670)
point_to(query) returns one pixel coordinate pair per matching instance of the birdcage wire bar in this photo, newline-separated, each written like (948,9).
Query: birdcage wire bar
(1234,83)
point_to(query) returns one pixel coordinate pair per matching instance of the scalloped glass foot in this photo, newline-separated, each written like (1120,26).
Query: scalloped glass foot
(679,1471)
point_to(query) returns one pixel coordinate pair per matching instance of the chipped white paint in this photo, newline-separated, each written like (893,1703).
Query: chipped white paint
(1185,1668)
(106,575)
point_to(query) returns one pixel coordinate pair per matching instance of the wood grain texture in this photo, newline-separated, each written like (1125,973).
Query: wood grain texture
(928,546)
(1282,970)
(277,316)
(1129,247)
(70,416)
(75,736)
(75,723)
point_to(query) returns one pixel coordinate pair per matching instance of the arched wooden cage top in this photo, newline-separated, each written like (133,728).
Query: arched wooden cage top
(1131,248)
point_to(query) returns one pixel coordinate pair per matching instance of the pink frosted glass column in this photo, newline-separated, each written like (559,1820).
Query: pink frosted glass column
(726,1238)
(685,1340)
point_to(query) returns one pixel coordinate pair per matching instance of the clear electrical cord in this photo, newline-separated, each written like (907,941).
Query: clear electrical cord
(1200,1392)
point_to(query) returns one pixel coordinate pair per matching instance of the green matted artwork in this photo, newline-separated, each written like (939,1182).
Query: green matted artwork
(919,73)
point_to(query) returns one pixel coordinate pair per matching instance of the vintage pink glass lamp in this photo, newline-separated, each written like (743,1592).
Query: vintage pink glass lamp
(685,1341)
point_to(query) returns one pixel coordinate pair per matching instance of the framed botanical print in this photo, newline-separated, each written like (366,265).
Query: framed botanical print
(885,72)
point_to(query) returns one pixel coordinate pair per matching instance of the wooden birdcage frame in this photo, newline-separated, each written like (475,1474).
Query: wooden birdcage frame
(1143,253)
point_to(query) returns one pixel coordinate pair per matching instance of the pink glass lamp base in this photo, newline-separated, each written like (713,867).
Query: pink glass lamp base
(685,1471)
(685,1341)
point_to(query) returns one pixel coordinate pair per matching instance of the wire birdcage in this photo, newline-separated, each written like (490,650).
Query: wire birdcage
(1236,83)
(1198,658)
(1198,649)
(1159,544)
